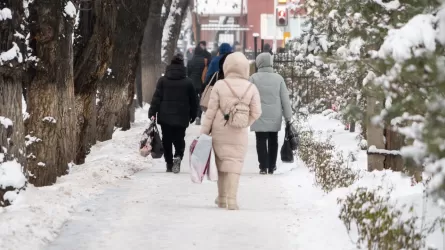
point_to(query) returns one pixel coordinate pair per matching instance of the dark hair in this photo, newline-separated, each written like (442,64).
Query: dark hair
(203,43)
(178,58)
(221,64)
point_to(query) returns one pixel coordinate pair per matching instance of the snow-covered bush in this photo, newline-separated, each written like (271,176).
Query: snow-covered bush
(329,166)
(380,225)
(12,179)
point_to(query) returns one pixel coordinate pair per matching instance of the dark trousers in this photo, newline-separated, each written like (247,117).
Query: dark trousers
(173,136)
(198,95)
(267,149)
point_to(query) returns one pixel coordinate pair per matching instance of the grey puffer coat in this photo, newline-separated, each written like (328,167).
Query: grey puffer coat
(274,96)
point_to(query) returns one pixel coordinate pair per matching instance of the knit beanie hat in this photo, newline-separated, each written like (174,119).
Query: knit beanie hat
(178,59)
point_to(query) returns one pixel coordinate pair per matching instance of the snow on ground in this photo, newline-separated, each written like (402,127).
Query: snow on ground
(108,208)
(38,214)
(402,192)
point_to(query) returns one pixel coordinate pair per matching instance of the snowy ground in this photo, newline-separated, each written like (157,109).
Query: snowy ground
(119,200)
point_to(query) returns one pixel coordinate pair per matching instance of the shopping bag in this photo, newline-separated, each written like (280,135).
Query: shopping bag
(145,144)
(151,143)
(287,155)
(157,150)
(200,153)
(291,135)
(212,171)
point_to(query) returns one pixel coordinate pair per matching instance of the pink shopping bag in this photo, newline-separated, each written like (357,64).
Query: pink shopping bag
(200,155)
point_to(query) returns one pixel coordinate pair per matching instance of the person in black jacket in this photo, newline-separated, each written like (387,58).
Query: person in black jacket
(175,104)
(208,55)
(195,69)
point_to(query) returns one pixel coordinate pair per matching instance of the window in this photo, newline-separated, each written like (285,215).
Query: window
(226,38)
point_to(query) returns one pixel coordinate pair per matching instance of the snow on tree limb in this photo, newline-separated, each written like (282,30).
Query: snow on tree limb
(5,13)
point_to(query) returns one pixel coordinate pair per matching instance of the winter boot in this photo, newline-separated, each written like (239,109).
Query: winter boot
(176,165)
(263,171)
(198,121)
(169,167)
(231,184)
(221,200)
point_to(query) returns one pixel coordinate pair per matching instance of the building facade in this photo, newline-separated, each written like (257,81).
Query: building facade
(236,21)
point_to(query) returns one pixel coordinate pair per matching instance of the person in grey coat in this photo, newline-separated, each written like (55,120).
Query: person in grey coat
(275,104)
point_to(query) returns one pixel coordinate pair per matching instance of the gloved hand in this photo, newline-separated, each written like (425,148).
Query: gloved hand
(192,120)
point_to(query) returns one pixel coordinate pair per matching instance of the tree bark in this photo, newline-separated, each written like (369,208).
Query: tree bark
(138,83)
(167,6)
(173,29)
(151,51)
(93,52)
(12,131)
(11,91)
(116,90)
(50,98)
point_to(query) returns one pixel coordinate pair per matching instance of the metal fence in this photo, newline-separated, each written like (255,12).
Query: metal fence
(304,88)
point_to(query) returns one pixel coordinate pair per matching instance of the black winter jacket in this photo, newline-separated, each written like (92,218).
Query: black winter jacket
(175,100)
(196,66)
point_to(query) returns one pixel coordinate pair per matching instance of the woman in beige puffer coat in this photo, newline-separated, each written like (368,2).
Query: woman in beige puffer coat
(229,143)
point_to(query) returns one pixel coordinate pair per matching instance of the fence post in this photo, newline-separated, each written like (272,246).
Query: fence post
(374,134)
(255,49)
(262,45)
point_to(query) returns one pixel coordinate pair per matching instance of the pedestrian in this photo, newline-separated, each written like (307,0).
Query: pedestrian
(224,48)
(267,48)
(195,70)
(189,55)
(237,47)
(208,55)
(214,51)
(228,138)
(175,104)
(274,104)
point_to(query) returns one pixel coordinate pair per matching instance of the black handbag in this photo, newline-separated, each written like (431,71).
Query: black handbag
(287,155)
(291,135)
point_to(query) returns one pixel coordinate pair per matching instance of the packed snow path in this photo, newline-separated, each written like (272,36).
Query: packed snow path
(158,210)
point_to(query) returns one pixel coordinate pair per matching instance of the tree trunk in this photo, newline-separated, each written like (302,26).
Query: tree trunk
(93,55)
(151,51)
(50,99)
(167,4)
(172,29)
(12,131)
(116,90)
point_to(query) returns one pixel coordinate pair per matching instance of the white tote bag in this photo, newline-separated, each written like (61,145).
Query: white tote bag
(200,153)
(212,172)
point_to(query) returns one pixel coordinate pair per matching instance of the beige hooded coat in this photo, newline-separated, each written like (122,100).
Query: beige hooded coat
(229,143)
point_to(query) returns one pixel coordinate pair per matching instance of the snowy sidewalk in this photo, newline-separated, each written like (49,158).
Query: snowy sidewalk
(158,210)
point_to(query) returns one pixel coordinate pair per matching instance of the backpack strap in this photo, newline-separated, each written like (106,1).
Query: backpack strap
(233,92)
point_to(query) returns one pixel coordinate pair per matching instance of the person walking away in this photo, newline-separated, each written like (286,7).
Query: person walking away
(208,55)
(189,55)
(274,104)
(195,70)
(229,139)
(237,47)
(175,104)
(225,48)
(214,51)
